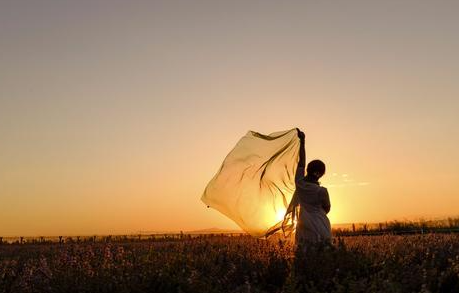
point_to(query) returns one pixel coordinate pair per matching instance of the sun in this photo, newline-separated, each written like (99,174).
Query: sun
(280,214)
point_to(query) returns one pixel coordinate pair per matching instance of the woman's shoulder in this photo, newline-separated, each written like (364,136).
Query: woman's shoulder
(314,187)
(323,190)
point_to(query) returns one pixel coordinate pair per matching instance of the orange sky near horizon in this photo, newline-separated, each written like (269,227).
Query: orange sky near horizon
(114,115)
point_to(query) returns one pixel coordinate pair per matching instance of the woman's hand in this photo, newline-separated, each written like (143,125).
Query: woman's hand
(302,156)
(300,134)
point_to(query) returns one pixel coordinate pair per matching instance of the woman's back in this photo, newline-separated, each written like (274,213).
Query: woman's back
(313,224)
(312,196)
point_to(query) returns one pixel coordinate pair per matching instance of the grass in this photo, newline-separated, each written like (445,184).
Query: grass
(387,263)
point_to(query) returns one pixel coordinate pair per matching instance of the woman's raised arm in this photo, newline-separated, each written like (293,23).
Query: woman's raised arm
(302,158)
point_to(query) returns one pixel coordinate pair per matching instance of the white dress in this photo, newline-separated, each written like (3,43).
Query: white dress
(313,224)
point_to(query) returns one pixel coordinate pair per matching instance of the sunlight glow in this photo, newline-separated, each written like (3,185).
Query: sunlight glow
(280,214)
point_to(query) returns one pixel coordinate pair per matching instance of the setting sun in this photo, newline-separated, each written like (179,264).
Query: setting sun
(280,214)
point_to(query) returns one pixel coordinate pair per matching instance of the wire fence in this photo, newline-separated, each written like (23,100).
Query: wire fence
(184,236)
(112,238)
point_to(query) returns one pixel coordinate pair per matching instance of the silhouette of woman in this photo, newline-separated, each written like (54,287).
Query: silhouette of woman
(312,199)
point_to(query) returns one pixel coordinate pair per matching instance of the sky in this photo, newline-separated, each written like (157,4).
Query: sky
(114,115)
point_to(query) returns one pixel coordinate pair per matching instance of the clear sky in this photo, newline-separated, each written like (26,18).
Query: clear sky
(114,115)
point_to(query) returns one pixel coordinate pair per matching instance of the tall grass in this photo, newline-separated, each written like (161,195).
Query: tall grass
(388,263)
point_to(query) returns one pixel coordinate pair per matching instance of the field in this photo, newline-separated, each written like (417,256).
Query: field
(387,263)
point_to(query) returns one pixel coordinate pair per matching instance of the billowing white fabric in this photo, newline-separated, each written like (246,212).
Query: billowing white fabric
(256,181)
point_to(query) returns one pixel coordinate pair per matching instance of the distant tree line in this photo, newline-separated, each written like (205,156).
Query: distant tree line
(449,225)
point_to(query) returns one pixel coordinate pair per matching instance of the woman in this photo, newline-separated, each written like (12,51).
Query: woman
(313,201)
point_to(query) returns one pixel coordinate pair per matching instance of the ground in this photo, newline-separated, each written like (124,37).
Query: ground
(413,263)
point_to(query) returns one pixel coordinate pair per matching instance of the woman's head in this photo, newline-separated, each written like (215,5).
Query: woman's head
(316,168)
